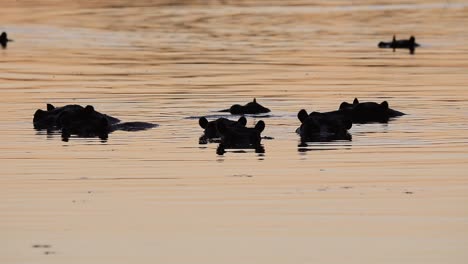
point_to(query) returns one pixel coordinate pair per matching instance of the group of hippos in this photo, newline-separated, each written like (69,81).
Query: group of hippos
(230,134)
(314,127)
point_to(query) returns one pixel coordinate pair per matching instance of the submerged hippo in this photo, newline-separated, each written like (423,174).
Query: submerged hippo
(369,112)
(400,44)
(50,118)
(211,127)
(240,137)
(82,122)
(250,108)
(326,126)
(4,40)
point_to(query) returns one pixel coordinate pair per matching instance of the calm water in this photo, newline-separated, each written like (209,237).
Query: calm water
(397,193)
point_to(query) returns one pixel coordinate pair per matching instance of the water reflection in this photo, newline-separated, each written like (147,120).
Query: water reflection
(221,149)
(304,147)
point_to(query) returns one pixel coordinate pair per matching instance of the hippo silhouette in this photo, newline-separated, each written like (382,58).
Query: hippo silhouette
(211,129)
(82,122)
(369,112)
(326,126)
(50,120)
(4,40)
(400,44)
(240,137)
(250,108)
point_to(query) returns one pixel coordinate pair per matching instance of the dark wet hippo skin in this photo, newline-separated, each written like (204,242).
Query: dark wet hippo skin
(249,108)
(328,126)
(4,40)
(85,122)
(49,119)
(400,44)
(240,137)
(211,129)
(82,122)
(369,112)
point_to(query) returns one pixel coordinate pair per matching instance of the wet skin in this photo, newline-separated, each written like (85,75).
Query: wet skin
(328,126)
(249,108)
(369,112)
(400,44)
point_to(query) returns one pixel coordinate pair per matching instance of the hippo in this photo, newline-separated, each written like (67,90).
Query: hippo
(82,122)
(369,112)
(240,137)
(4,40)
(326,126)
(210,127)
(250,108)
(49,119)
(400,44)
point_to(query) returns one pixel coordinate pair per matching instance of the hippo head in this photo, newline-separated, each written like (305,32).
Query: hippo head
(210,127)
(85,122)
(346,105)
(45,119)
(240,137)
(371,112)
(250,108)
(323,126)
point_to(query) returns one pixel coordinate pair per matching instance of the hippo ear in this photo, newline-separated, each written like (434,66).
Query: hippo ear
(255,100)
(356,101)
(50,107)
(89,109)
(242,121)
(384,104)
(302,115)
(203,122)
(221,127)
(260,126)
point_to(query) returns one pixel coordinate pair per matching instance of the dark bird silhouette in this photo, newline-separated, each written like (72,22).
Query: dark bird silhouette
(4,40)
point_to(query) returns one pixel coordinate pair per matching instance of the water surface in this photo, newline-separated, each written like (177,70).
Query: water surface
(396,193)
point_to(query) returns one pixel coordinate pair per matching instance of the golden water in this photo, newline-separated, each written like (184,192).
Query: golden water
(397,193)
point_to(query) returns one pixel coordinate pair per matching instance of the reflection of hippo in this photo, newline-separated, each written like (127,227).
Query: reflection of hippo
(82,121)
(210,127)
(400,44)
(250,108)
(369,111)
(240,137)
(324,126)
(4,39)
